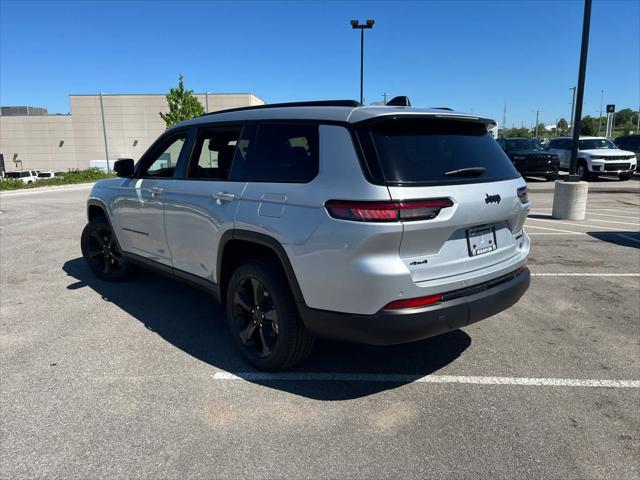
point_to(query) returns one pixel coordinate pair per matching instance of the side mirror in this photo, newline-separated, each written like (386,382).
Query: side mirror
(123,167)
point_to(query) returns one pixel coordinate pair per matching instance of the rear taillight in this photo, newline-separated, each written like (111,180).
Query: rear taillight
(387,211)
(413,302)
(523,194)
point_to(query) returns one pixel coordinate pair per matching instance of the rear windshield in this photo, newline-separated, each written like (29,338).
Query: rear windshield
(428,151)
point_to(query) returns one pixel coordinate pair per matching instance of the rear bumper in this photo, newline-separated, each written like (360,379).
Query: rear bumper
(387,327)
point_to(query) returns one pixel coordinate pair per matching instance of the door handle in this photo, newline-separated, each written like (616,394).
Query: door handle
(223,196)
(156,191)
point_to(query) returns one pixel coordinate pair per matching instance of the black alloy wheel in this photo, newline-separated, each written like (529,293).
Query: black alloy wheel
(255,317)
(101,251)
(263,317)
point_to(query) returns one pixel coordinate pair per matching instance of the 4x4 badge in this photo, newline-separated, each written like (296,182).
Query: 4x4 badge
(492,198)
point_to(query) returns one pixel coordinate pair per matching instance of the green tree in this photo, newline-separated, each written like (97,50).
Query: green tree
(589,126)
(182,105)
(519,132)
(624,117)
(562,127)
(541,130)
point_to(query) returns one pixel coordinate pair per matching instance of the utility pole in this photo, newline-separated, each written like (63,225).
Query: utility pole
(570,196)
(600,117)
(504,116)
(104,131)
(582,72)
(573,108)
(537,121)
(367,24)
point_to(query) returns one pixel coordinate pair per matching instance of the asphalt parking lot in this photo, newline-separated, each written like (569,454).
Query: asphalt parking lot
(140,380)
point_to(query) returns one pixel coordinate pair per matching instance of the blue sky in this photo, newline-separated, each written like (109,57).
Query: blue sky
(470,55)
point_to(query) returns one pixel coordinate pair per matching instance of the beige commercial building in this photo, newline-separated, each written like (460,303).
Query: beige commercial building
(40,141)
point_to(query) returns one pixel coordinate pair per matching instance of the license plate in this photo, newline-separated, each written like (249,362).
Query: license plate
(481,240)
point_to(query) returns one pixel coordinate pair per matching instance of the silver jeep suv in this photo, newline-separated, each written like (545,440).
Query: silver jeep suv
(379,225)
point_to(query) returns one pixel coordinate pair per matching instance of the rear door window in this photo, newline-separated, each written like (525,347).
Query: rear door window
(213,153)
(286,153)
(427,151)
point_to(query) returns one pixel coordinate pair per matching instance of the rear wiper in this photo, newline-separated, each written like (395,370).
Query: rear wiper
(466,172)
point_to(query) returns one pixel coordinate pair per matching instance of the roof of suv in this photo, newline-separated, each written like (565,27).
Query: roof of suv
(340,111)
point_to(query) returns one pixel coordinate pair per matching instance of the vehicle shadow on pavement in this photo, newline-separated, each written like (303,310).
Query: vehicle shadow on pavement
(191,320)
(623,239)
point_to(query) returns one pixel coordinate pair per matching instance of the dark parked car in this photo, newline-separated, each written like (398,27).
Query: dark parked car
(630,143)
(530,158)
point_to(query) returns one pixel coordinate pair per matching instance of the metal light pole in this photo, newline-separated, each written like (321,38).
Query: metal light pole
(573,108)
(537,121)
(367,24)
(600,117)
(570,196)
(104,131)
(586,23)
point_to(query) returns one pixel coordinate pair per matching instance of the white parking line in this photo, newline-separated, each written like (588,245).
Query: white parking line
(555,233)
(635,224)
(555,230)
(577,224)
(617,210)
(609,215)
(407,378)
(595,274)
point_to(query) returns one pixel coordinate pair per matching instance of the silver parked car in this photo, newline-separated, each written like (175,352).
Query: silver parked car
(379,225)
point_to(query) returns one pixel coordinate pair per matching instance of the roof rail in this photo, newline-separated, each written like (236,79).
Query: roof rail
(442,108)
(316,103)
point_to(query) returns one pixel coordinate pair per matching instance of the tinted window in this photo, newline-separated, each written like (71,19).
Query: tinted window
(596,144)
(285,153)
(163,164)
(13,174)
(422,151)
(213,154)
(523,144)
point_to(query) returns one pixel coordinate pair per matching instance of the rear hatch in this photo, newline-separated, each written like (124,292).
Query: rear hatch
(423,158)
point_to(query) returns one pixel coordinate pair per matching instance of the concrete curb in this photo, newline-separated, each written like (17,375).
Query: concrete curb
(56,188)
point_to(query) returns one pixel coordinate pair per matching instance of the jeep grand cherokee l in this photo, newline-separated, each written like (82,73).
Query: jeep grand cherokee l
(596,156)
(327,219)
(529,158)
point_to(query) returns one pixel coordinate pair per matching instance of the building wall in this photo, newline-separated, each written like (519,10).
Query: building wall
(63,142)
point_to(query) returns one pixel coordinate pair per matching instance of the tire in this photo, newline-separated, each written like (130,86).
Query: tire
(583,172)
(552,178)
(101,251)
(625,176)
(263,318)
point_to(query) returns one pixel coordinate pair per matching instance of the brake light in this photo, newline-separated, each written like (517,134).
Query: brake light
(387,211)
(523,194)
(413,302)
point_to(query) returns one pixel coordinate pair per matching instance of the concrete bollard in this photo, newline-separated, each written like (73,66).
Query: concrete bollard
(570,200)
